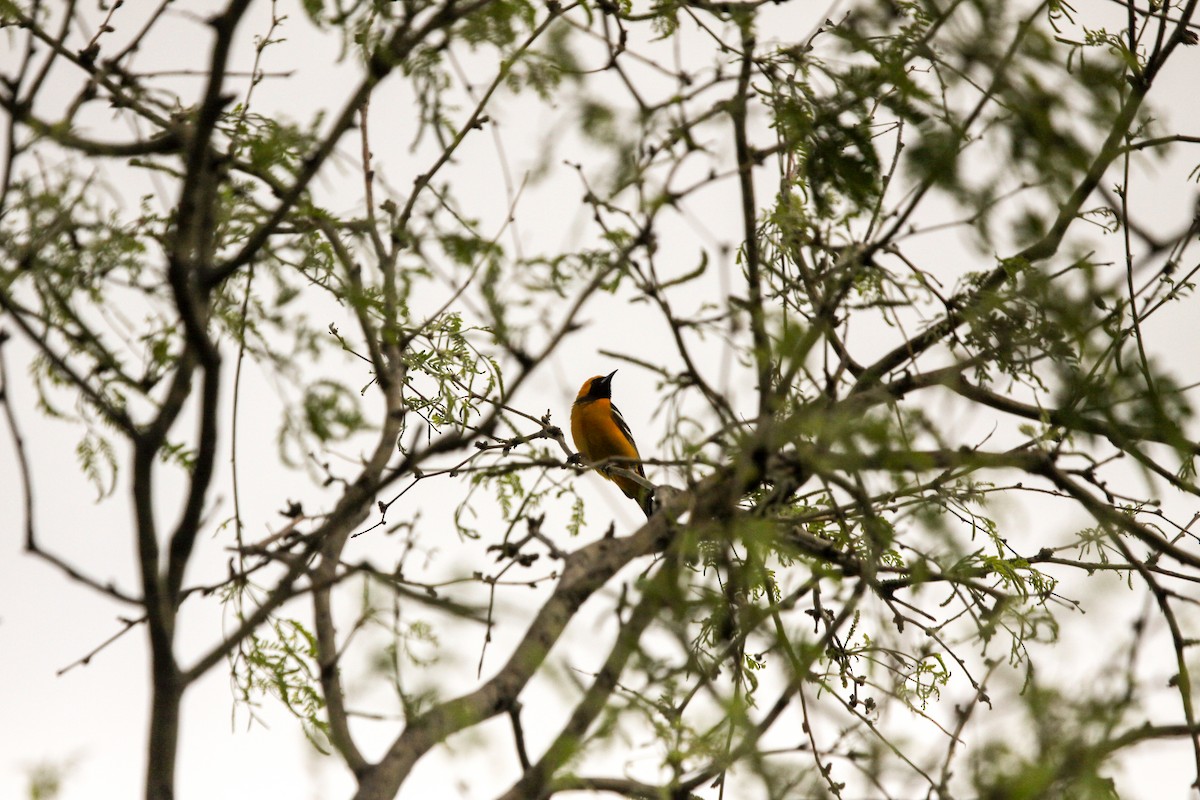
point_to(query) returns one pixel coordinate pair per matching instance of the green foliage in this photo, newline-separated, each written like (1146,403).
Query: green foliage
(75,260)
(832,137)
(460,372)
(331,412)
(547,65)
(98,462)
(923,680)
(283,665)
(1064,758)
(9,10)
(314,9)
(1013,330)
(270,146)
(499,24)
(46,778)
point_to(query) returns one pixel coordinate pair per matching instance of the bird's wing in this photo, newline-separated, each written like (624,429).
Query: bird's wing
(623,425)
(628,434)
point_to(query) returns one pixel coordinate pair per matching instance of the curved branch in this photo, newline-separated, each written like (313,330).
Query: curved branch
(655,593)
(584,572)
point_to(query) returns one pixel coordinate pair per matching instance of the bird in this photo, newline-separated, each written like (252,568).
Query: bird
(600,432)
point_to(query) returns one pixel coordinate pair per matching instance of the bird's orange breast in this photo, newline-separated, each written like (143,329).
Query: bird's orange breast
(596,436)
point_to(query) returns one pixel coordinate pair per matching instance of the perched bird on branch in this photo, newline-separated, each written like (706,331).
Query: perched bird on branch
(600,433)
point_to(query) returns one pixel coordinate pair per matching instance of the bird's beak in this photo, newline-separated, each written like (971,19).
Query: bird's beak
(608,377)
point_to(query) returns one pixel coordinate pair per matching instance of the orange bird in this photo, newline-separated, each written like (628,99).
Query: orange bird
(600,432)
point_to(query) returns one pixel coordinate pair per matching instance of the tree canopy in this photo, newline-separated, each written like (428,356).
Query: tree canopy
(899,293)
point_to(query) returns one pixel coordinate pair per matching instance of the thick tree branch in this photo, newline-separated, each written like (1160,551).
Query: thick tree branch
(584,571)
(657,592)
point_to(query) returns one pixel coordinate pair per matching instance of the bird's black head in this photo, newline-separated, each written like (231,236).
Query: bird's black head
(597,388)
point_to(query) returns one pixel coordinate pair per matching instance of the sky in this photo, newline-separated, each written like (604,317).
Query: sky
(88,720)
